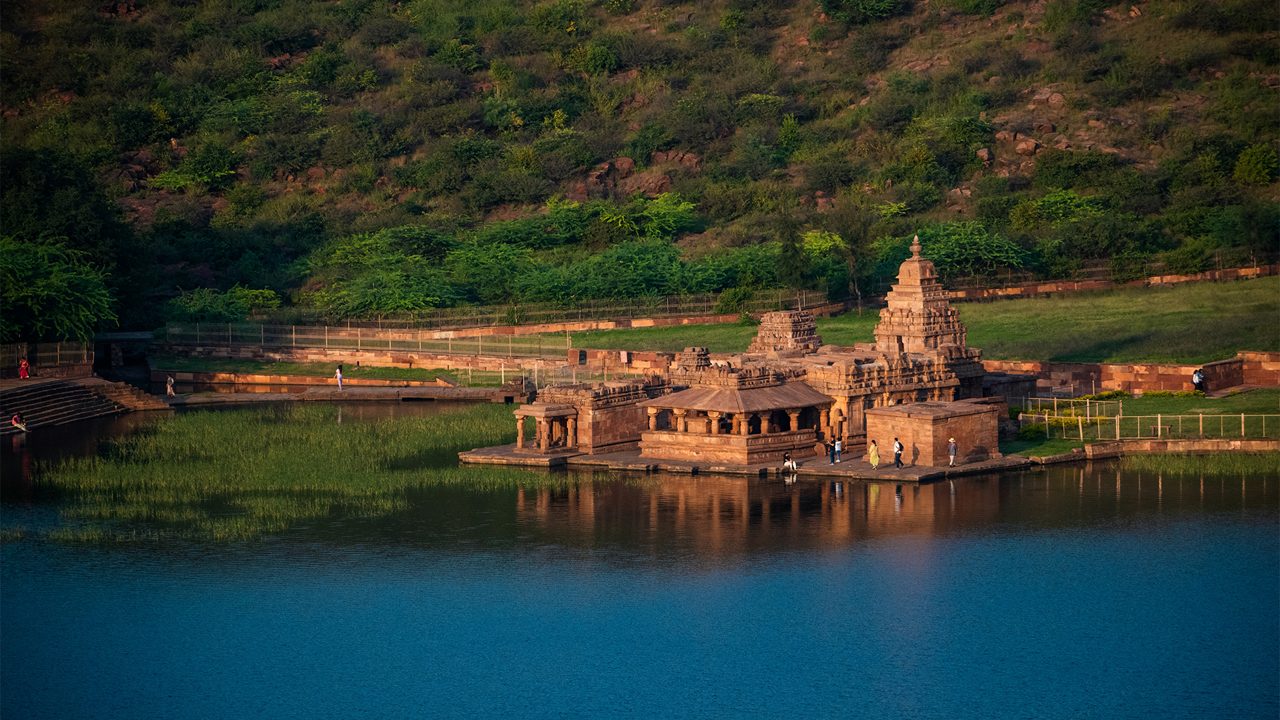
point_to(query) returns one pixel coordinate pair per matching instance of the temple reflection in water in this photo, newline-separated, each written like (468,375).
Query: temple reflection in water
(715,516)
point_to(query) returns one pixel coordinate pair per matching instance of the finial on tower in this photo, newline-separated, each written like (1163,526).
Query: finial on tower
(915,247)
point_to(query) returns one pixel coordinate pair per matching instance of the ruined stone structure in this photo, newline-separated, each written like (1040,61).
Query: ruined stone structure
(587,418)
(786,332)
(739,416)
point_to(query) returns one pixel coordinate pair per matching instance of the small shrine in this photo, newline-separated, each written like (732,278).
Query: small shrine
(740,416)
(925,429)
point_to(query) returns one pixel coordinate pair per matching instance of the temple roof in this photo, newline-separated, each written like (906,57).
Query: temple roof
(736,400)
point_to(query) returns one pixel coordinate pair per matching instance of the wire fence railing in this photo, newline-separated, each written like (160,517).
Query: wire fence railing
(539,313)
(267,337)
(1071,407)
(1151,427)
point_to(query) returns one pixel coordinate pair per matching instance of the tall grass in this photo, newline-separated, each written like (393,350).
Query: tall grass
(1265,464)
(238,475)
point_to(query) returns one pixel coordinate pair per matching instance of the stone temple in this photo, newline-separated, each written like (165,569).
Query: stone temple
(788,393)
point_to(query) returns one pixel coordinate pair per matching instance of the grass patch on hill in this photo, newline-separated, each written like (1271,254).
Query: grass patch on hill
(1191,323)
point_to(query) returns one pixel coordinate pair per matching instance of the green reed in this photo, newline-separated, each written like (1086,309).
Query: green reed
(1265,464)
(239,475)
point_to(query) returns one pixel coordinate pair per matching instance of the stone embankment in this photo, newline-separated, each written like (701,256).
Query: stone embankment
(56,402)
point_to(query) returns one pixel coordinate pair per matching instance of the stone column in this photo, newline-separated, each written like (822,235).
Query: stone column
(544,438)
(714,418)
(764,423)
(739,424)
(681,423)
(824,422)
(519,431)
(653,417)
(572,429)
(795,419)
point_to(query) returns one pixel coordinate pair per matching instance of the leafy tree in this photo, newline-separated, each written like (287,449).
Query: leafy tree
(960,249)
(49,291)
(210,305)
(1257,165)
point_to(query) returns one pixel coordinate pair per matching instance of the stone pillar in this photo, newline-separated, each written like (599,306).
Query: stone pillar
(682,425)
(519,431)
(714,419)
(544,438)
(739,424)
(571,440)
(824,422)
(764,423)
(795,419)
(653,417)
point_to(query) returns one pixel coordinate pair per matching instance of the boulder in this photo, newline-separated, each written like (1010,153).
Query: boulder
(1027,146)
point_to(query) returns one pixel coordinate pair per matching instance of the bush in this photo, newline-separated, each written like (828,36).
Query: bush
(1257,165)
(210,305)
(860,12)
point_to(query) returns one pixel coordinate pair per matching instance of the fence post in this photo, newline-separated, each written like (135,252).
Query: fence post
(293,336)
(197,333)
(228,336)
(1241,424)
(1086,409)
(1159,425)
(1117,427)
(1080,422)
(326,337)
(1202,425)
(357,336)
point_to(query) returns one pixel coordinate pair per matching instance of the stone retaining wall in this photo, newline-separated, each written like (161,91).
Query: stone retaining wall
(1247,368)
(1098,451)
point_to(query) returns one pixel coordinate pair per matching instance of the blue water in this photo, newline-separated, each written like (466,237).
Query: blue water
(1069,593)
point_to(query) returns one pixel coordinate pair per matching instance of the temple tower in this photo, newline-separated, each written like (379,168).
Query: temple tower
(918,317)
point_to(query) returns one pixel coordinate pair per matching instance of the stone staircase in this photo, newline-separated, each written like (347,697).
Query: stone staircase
(57,402)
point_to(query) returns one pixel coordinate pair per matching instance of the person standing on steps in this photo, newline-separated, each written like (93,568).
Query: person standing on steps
(337,374)
(873,454)
(24,369)
(897,453)
(951,452)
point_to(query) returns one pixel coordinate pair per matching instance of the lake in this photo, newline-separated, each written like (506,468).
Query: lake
(1068,592)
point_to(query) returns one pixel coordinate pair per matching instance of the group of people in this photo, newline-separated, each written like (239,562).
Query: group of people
(835,447)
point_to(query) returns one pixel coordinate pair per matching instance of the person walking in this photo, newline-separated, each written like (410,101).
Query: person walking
(1197,380)
(839,447)
(831,454)
(337,374)
(897,453)
(951,452)
(873,454)
(168,387)
(24,369)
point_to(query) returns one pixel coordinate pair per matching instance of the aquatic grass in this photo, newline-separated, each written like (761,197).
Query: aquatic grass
(241,474)
(1266,464)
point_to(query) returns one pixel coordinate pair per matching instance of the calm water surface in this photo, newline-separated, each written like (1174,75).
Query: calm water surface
(1067,593)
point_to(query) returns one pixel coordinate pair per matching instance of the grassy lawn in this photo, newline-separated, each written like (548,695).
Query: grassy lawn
(1039,448)
(1261,401)
(1191,323)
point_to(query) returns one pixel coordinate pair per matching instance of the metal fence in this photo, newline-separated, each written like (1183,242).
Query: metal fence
(1152,427)
(45,355)
(1071,407)
(536,313)
(363,339)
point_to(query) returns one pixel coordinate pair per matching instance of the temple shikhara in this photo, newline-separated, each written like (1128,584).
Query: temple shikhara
(788,393)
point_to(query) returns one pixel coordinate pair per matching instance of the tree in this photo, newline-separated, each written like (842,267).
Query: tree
(49,291)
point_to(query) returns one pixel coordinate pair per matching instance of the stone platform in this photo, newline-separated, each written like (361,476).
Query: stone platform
(810,468)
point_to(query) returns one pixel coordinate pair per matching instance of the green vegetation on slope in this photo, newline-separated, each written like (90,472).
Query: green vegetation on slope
(363,157)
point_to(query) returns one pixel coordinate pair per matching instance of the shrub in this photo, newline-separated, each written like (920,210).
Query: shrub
(859,12)
(1257,165)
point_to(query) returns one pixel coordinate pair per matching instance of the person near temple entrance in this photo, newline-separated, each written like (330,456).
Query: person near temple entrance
(897,453)
(831,453)
(873,454)
(838,447)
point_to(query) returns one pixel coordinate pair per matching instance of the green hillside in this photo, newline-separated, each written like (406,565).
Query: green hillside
(361,157)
